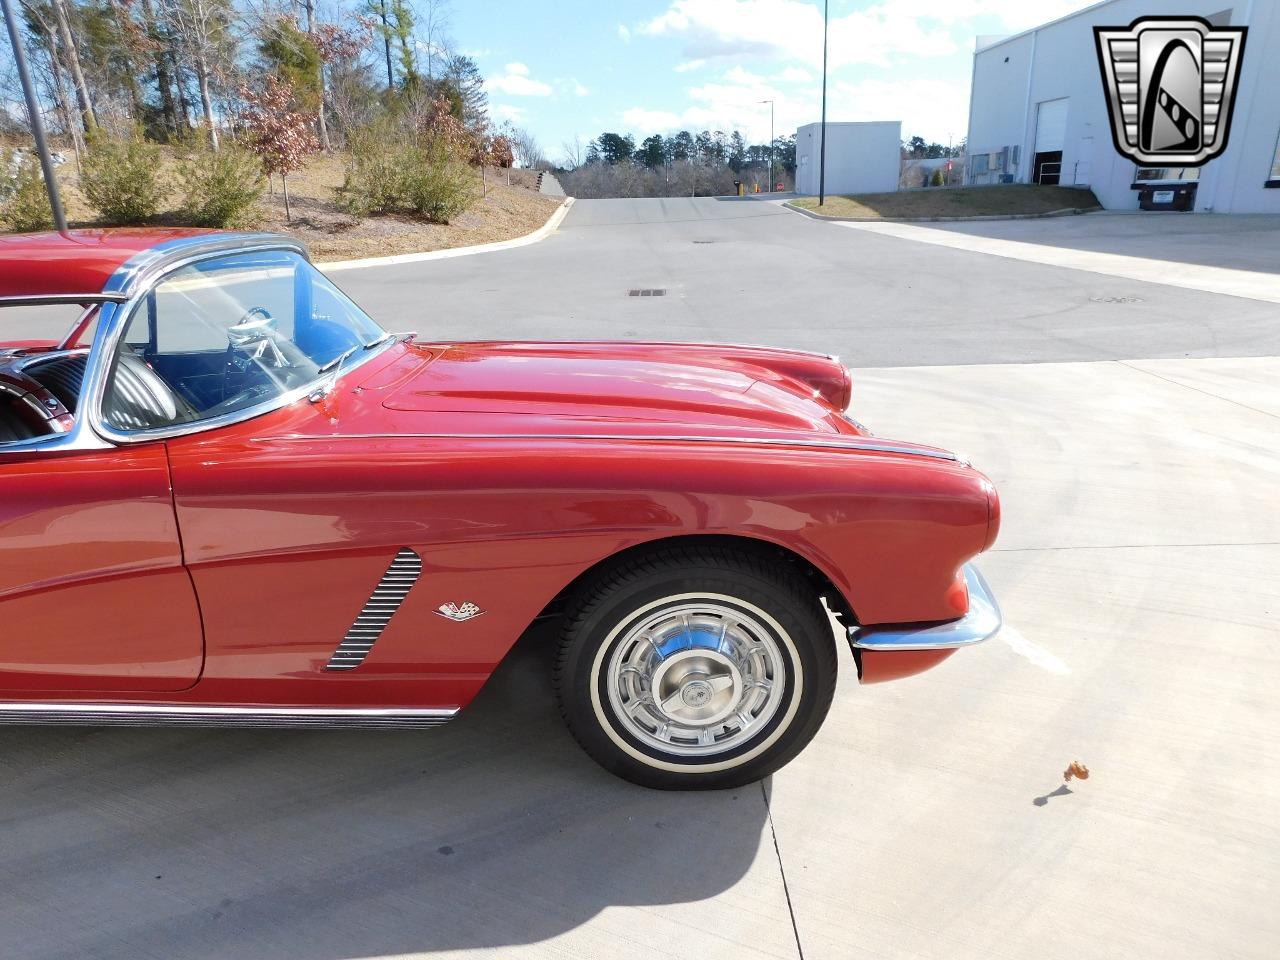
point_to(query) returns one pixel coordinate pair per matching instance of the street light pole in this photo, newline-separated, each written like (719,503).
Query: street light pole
(33,111)
(822,149)
(771,138)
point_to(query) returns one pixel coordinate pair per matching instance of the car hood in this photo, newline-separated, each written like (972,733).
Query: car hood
(617,388)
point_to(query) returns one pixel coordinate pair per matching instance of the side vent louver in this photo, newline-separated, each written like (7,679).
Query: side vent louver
(377,611)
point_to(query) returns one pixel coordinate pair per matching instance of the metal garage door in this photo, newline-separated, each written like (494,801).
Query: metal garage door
(1051,125)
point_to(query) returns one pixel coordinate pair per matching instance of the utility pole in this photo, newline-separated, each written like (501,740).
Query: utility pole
(33,111)
(771,139)
(822,149)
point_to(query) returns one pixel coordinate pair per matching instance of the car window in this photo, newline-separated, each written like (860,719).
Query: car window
(226,334)
(48,322)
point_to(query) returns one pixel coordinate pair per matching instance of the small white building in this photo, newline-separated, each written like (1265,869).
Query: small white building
(1038,110)
(861,157)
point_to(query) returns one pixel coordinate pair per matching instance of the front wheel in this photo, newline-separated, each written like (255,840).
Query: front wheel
(696,668)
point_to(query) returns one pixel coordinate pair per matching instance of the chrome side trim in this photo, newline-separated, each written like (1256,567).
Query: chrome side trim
(847,443)
(982,622)
(167,715)
(401,575)
(53,299)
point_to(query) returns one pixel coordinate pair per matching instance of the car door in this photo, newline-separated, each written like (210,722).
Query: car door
(93,593)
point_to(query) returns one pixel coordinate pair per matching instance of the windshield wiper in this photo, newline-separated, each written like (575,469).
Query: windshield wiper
(378,341)
(334,369)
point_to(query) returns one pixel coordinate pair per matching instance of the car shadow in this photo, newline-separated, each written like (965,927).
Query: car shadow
(492,831)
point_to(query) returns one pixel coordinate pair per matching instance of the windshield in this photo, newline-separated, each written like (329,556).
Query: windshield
(229,333)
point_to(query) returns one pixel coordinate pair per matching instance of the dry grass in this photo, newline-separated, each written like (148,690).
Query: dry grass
(1001,201)
(331,233)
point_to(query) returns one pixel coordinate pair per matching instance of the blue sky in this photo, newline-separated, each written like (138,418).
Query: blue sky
(582,67)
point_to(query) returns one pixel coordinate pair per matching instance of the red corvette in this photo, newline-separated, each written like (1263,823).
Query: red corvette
(232,498)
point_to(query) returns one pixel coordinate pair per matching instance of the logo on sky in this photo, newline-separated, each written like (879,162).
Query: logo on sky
(1171,87)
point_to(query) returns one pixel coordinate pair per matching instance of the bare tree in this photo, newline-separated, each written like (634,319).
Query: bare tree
(527,150)
(436,19)
(203,31)
(573,151)
(73,63)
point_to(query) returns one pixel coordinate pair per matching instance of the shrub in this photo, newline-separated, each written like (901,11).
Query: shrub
(372,182)
(422,176)
(120,178)
(26,202)
(436,185)
(219,187)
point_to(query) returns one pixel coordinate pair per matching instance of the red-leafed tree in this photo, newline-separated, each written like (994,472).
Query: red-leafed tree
(501,153)
(277,133)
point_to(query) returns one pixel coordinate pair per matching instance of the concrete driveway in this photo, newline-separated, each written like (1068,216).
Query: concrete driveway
(1136,445)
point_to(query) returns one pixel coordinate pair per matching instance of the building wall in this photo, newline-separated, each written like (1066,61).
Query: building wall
(861,157)
(1060,60)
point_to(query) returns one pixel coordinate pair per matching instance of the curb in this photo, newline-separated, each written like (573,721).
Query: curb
(540,234)
(1065,212)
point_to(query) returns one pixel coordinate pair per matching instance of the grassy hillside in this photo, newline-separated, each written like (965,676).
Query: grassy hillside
(331,233)
(999,201)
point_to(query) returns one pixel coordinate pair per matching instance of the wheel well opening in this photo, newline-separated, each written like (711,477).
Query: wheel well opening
(824,589)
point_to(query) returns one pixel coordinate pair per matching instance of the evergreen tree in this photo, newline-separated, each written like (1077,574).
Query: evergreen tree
(290,53)
(652,152)
(465,77)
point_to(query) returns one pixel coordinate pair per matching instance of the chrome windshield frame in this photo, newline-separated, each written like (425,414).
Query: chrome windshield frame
(139,280)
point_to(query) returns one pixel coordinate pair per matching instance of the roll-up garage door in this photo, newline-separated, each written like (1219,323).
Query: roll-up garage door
(1051,125)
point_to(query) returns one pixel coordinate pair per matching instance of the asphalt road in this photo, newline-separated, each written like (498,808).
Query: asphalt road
(929,819)
(745,270)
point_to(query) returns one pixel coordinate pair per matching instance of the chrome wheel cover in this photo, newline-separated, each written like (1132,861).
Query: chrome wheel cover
(696,679)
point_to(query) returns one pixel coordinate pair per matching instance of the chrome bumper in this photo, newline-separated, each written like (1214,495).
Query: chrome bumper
(981,623)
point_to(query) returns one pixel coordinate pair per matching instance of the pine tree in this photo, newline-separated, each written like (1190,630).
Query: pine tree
(464,76)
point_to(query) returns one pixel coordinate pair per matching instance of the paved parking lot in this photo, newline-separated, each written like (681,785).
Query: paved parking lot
(1136,448)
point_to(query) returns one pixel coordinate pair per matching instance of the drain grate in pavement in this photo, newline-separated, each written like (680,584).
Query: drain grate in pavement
(647,292)
(1117,299)
(704,241)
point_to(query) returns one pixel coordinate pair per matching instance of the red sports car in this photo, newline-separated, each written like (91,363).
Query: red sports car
(232,498)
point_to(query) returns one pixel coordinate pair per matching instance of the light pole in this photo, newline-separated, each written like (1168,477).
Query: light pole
(822,149)
(33,111)
(771,181)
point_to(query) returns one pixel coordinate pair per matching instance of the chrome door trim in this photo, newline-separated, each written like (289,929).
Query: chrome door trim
(187,715)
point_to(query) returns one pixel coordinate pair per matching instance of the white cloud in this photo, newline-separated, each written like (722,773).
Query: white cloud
(570,87)
(880,34)
(475,53)
(515,81)
(795,75)
(624,33)
(648,121)
(933,109)
(729,102)
(690,65)
(506,111)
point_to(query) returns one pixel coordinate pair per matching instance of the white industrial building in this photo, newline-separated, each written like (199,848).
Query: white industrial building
(861,157)
(1038,111)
